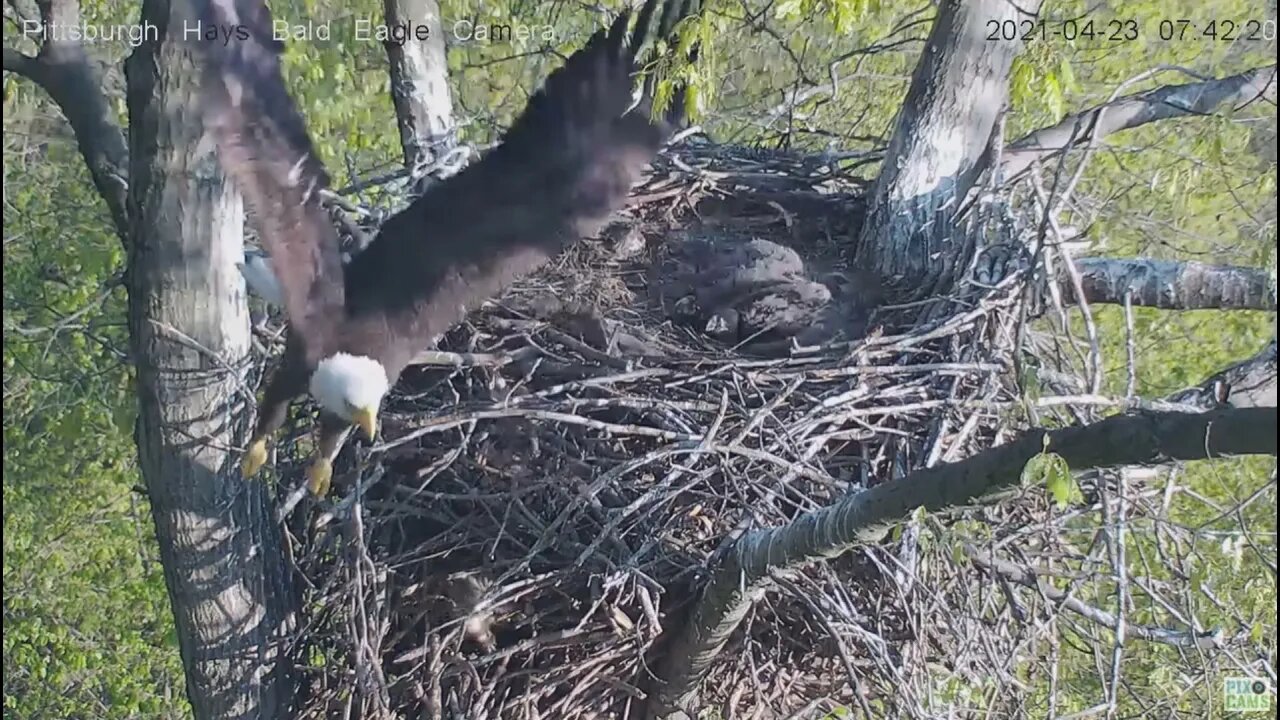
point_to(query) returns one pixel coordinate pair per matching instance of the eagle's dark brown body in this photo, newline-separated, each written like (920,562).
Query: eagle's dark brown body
(564,166)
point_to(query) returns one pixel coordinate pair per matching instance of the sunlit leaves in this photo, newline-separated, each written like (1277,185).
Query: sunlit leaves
(1038,84)
(1049,470)
(790,9)
(85,604)
(842,13)
(673,70)
(1068,76)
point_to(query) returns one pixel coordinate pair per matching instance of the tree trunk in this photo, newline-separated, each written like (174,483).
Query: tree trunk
(938,149)
(189,330)
(419,82)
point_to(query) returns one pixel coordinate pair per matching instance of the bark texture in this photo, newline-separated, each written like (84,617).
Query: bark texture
(1174,285)
(189,331)
(937,150)
(420,81)
(1249,383)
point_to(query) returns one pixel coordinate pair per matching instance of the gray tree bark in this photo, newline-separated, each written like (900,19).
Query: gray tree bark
(420,82)
(937,149)
(189,331)
(1173,285)
(183,228)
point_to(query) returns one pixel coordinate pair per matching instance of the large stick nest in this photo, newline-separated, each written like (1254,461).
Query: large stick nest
(537,516)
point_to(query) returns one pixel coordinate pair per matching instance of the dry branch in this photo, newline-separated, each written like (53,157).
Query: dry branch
(1029,578)
(1170,101)
(742,576)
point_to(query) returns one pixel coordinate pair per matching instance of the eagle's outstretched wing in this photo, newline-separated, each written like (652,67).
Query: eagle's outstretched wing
(263,145)
(563,167)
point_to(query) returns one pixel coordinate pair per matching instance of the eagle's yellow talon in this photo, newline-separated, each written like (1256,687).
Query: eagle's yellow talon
(254,458)
(319,475)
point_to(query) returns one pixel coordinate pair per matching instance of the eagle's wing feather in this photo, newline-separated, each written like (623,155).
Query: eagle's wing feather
(563,167)
(263,144)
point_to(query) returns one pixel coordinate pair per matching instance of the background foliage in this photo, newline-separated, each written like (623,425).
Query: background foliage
(87,626)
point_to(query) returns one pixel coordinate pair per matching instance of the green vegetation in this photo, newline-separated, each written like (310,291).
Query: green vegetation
(87,626)
(88,632)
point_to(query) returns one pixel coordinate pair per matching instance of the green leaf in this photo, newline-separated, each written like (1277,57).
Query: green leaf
(1053,96)
(1051,470)
(692,101)
(919,514)
(1068,76)
(788,9)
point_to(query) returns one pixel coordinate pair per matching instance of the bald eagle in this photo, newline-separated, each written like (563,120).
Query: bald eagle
(563,167)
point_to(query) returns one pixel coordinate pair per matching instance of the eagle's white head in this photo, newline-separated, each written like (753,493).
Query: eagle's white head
(351,387)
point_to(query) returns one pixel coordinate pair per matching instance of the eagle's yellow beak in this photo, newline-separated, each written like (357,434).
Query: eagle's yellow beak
(367,420)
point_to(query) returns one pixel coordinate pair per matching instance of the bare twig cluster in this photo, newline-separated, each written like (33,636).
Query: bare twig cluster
(555,481)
